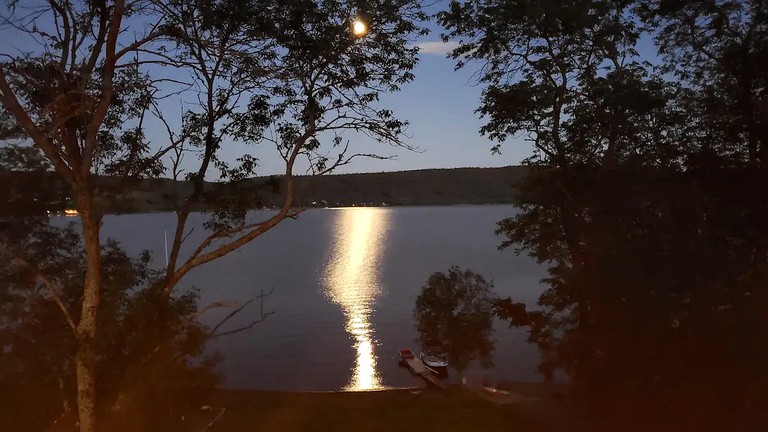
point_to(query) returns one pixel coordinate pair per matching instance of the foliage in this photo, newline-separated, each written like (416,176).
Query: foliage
(671,268)
(29,188)
(149,361)
(559,74)
(645,200)
(514,312)
(568,77)
(717,50)
(454,317)
(92,75)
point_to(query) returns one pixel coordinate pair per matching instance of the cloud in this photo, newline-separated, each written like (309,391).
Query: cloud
(437,48)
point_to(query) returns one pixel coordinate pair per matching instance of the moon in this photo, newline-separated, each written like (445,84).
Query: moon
(359,27)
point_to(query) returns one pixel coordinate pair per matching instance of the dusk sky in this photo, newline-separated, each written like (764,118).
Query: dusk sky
(439,104)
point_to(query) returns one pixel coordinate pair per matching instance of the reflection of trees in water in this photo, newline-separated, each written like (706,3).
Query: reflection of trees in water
(148,363)
(656,287)
(454,317)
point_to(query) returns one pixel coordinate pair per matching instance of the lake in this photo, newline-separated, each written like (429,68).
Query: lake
(343,285)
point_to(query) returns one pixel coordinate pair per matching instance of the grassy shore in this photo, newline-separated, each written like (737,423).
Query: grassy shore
(418,410)
(393,410)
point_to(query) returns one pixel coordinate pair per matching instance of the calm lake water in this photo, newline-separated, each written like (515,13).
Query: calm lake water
(344,284)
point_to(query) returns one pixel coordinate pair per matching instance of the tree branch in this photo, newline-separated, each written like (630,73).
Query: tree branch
(262,316)
(50,288)
(11,103)
(155,33)
(293,214)
(107,89)
(199,260)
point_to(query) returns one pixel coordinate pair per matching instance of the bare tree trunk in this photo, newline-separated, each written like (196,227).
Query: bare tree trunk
(85,359)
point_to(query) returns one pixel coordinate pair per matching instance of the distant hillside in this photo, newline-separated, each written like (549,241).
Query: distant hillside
(422,187)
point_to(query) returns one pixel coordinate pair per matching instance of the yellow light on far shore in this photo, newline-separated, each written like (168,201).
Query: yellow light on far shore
(359,28)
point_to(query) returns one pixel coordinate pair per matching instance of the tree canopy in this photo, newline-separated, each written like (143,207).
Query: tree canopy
(83,80)
(454,317)
(648,119)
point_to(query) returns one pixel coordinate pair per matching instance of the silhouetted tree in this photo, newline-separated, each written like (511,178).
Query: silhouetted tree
(718,51)
(567,77)
(92,72)
(564,75)
(454,317)
(675,293)
(515,313)
(644,202)
(150,366)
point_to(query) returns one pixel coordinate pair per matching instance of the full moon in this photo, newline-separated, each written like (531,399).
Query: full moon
(359,27)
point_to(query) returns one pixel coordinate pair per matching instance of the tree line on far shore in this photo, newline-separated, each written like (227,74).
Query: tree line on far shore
(30,193)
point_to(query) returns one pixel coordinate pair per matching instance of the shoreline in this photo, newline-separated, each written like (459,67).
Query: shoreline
(304,209)
(425,409)
(226,389)
(456,409)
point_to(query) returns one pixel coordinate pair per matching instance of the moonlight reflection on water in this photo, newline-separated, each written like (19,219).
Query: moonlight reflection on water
(352,282)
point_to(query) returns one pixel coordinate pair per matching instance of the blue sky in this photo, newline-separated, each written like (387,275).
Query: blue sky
(439,104)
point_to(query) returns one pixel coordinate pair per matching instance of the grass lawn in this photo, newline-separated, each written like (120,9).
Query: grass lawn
(393,410)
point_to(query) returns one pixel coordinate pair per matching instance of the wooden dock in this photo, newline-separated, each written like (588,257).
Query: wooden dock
(417,367)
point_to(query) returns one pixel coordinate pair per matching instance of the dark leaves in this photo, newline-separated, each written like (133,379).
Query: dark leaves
(454,317)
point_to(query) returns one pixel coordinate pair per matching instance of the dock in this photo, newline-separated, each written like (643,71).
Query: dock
(417,367)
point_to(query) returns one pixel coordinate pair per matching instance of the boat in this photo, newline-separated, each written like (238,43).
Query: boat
(406,354)
(408,360)
(438,363)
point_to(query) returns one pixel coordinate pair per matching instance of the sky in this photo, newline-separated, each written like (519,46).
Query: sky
(439,104)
